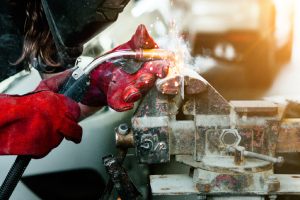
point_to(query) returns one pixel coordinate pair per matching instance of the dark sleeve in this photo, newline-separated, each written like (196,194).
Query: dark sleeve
(11,40)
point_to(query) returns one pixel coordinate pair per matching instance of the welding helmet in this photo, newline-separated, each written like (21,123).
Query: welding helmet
(72,23)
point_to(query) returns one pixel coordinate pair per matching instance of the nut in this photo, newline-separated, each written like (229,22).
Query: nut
(123,129)
(230,137)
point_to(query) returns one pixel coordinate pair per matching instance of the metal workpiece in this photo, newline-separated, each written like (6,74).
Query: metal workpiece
(182,80)
(170,84)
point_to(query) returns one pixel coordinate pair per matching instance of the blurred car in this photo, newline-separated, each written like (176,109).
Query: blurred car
(253,33)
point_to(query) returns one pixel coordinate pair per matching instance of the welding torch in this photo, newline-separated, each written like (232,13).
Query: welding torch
(77,84)
(75,87)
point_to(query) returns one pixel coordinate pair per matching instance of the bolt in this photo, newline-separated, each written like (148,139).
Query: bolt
(280,160)
(230,137)
(123,129)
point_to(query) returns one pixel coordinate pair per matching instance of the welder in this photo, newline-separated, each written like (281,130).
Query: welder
(49,36)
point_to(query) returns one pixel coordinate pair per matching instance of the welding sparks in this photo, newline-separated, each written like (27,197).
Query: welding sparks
(175,43)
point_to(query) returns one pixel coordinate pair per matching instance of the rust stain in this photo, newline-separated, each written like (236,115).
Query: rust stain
(295,176)
(227,180)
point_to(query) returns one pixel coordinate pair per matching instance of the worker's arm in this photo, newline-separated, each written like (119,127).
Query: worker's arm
(35,123)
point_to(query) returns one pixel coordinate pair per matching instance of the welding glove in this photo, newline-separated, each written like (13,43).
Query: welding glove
(111,85)
(35,123)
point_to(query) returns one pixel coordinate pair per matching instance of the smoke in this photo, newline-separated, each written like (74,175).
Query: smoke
(174,41)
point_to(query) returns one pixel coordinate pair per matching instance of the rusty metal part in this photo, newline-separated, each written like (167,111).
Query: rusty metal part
(289,136)
(225,164)
(124,138)
(250,154)
(150,126)
(241,152)
(201,128)
(169,85)
(239,157)
(254,107)
(124,141)
(273,184)
(203,187)
(230,137)
(119,177)
(289,184)
(182,137)
(208,102)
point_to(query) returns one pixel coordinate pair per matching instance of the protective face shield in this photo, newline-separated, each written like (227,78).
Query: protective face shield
(72,23)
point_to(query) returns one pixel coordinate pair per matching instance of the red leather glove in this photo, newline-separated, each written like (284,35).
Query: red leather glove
(110,85)
(35,123)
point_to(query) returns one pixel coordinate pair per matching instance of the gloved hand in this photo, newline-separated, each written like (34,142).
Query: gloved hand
(35,123)
(110,85)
